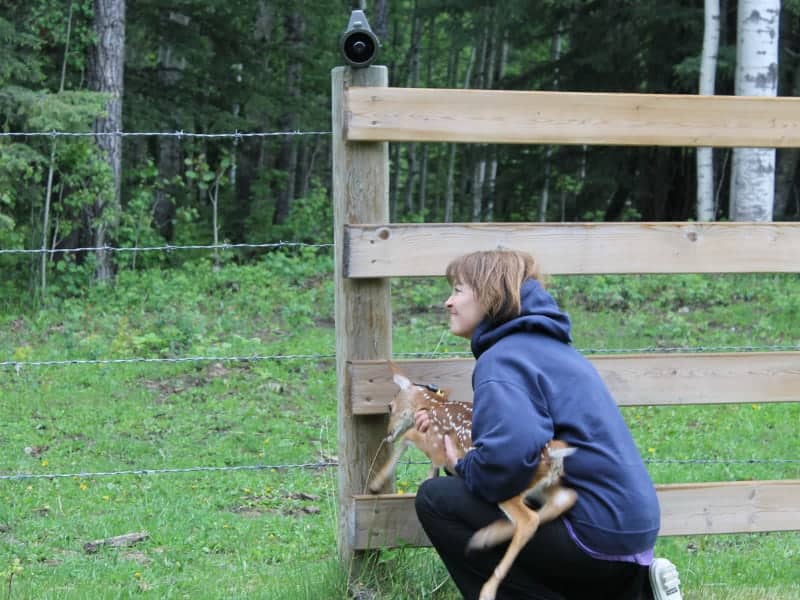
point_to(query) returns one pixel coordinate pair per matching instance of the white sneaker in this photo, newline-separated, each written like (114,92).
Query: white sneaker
(664,580)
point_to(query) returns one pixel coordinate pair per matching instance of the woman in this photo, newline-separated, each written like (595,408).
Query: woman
(530,386)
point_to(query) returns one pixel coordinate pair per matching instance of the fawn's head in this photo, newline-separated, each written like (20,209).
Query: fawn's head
(409,398)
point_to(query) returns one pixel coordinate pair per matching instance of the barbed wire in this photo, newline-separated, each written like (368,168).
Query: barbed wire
(19,364)
(164,248)
(642,350)
(680,461)
(90,475)
(722,461)
(325,464)
(184,359)
(179,134)
(693,349)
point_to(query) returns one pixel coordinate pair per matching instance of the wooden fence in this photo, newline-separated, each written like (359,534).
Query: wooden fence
(367,115)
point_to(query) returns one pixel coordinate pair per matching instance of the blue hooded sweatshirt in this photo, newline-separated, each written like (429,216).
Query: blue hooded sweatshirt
(530,386)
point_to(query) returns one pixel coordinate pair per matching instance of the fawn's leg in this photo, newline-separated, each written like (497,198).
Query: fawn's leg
(555,502)
(526,522)
(380,479)
(558,500)
(493,534)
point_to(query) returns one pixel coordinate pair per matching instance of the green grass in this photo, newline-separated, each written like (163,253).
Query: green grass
(271,532)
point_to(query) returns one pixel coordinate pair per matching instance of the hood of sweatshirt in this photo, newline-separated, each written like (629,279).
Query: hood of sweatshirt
(539,314)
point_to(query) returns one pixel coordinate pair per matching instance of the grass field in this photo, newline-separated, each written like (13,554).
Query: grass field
(215,530)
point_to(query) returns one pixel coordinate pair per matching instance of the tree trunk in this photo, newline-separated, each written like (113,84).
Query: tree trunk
(706,211)
(787,165)
(169,164)
(545,199)
(479,164)
(46,220)
(499,57)
(753,170)
(413,81)
(106,65)
(287,159)
(449,194)
(170,73)
(788,159)
(380,20)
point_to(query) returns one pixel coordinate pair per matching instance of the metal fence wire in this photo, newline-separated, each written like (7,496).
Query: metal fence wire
(19,365)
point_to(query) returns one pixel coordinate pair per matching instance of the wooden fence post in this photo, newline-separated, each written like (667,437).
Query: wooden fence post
(363,306)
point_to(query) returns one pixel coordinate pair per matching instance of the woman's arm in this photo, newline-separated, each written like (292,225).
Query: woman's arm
(510,426)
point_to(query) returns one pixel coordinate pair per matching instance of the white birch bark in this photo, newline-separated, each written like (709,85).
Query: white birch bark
(706,211)
(753,169)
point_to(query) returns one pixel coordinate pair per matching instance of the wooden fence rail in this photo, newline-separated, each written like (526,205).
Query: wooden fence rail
(369,251)
(510,117)
(395,250)
(389,520)
(633,379)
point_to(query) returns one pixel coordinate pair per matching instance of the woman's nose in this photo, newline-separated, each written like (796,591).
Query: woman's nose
(449,302)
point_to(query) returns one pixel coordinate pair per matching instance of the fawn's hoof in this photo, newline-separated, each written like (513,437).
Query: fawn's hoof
(489,590)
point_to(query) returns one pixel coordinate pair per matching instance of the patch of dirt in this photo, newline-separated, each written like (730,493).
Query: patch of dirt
(136,556)
(247,511)
(166,388)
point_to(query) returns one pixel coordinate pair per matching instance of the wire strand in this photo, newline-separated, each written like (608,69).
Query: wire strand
(177,134)
(19,364)
(185,359)
(333,463)
(165,248)
(89,475)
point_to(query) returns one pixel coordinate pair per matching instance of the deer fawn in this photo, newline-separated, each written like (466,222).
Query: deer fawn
(454,419)
(447,417)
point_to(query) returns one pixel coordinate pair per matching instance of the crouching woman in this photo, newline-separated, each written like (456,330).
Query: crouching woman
(531,386)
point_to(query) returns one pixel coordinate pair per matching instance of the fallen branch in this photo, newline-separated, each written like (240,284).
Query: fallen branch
(119,541)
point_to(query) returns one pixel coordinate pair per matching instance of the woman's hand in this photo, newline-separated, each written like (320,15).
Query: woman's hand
(422,422)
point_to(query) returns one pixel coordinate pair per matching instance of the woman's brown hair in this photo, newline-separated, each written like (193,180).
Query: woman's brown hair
(496,277)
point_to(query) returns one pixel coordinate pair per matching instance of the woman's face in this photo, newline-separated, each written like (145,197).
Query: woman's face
(465,313)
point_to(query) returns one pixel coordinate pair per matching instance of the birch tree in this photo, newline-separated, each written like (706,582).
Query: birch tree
(753,169)
(706,211)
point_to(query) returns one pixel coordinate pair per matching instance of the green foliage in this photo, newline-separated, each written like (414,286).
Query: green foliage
(51,22)
(213,66)
(310,219)
(271,533)
(18,48)
(629,213)
(80,173)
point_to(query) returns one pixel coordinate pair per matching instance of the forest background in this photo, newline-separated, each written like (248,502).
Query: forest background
(214,67)
(124,407)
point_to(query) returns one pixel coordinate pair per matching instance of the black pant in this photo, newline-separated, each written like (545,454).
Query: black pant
(550,567)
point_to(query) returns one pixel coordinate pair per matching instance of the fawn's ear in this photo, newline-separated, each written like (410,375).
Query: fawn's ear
(401,380)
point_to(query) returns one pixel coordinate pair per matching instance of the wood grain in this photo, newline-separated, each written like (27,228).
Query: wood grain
(395,250)
(634,380)
(686,509)
(515,117)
